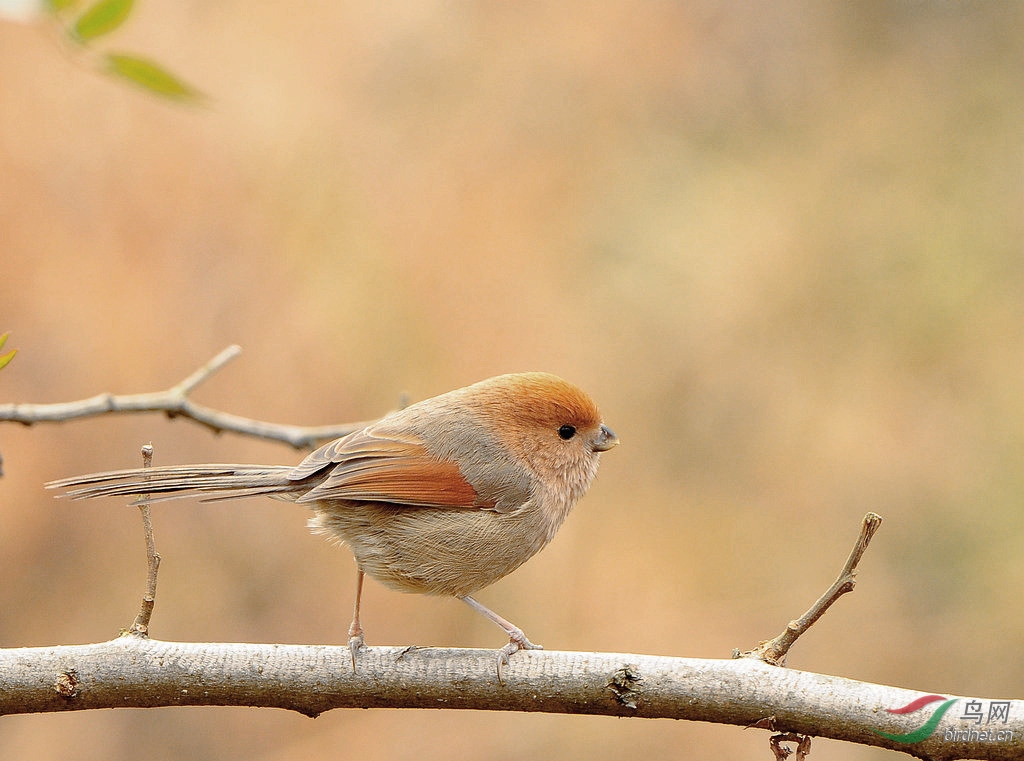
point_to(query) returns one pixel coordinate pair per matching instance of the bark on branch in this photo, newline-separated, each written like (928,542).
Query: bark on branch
(134,671)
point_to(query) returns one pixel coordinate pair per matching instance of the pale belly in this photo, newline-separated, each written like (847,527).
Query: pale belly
(432,551)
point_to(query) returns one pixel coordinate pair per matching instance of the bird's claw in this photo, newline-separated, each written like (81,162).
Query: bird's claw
(355,644)
(517,642)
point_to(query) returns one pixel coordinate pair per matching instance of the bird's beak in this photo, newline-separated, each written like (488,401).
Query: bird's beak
(604,440)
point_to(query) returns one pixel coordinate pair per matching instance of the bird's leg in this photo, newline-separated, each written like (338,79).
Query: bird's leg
(517,640)
(355,629)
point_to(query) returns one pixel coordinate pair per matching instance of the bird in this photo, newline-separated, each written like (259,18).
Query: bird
(443,497)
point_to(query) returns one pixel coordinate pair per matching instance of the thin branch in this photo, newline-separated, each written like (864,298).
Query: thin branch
(175,402)
(139,672)
(204,372)
(140,626)
(774,651)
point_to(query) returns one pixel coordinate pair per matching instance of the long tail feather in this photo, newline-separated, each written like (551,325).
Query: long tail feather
(176,481)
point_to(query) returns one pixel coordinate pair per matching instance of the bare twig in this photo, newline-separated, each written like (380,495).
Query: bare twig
(175,402)
(774,651)
(140,627)
(781,752)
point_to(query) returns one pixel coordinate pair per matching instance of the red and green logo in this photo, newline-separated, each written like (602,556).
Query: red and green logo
(976,724)
(927,729)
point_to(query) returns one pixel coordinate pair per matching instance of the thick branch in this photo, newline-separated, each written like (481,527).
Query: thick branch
(139,672)
(175,402)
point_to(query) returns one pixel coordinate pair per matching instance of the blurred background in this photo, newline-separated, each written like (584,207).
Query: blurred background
(780,243)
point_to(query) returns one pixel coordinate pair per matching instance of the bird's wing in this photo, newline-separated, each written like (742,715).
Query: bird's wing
(386,466)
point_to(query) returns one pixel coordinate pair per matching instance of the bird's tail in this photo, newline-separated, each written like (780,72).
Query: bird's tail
(214,482)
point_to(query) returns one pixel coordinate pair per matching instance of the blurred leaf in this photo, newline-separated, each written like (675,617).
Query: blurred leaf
(151,76)
(102,18)
(6,358)
(56,6)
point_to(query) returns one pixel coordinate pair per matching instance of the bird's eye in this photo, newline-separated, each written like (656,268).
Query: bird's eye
(567,431)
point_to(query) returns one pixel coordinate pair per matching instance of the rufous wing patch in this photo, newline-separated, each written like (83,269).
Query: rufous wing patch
(394,468)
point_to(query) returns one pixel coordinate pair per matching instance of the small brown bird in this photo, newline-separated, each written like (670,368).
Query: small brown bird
(443,497)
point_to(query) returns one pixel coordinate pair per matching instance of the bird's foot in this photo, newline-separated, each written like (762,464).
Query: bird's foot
(517,641)
(355,645)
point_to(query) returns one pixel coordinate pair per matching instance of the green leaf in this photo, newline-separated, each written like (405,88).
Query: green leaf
(151,76)
(3,339)
(103,17)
